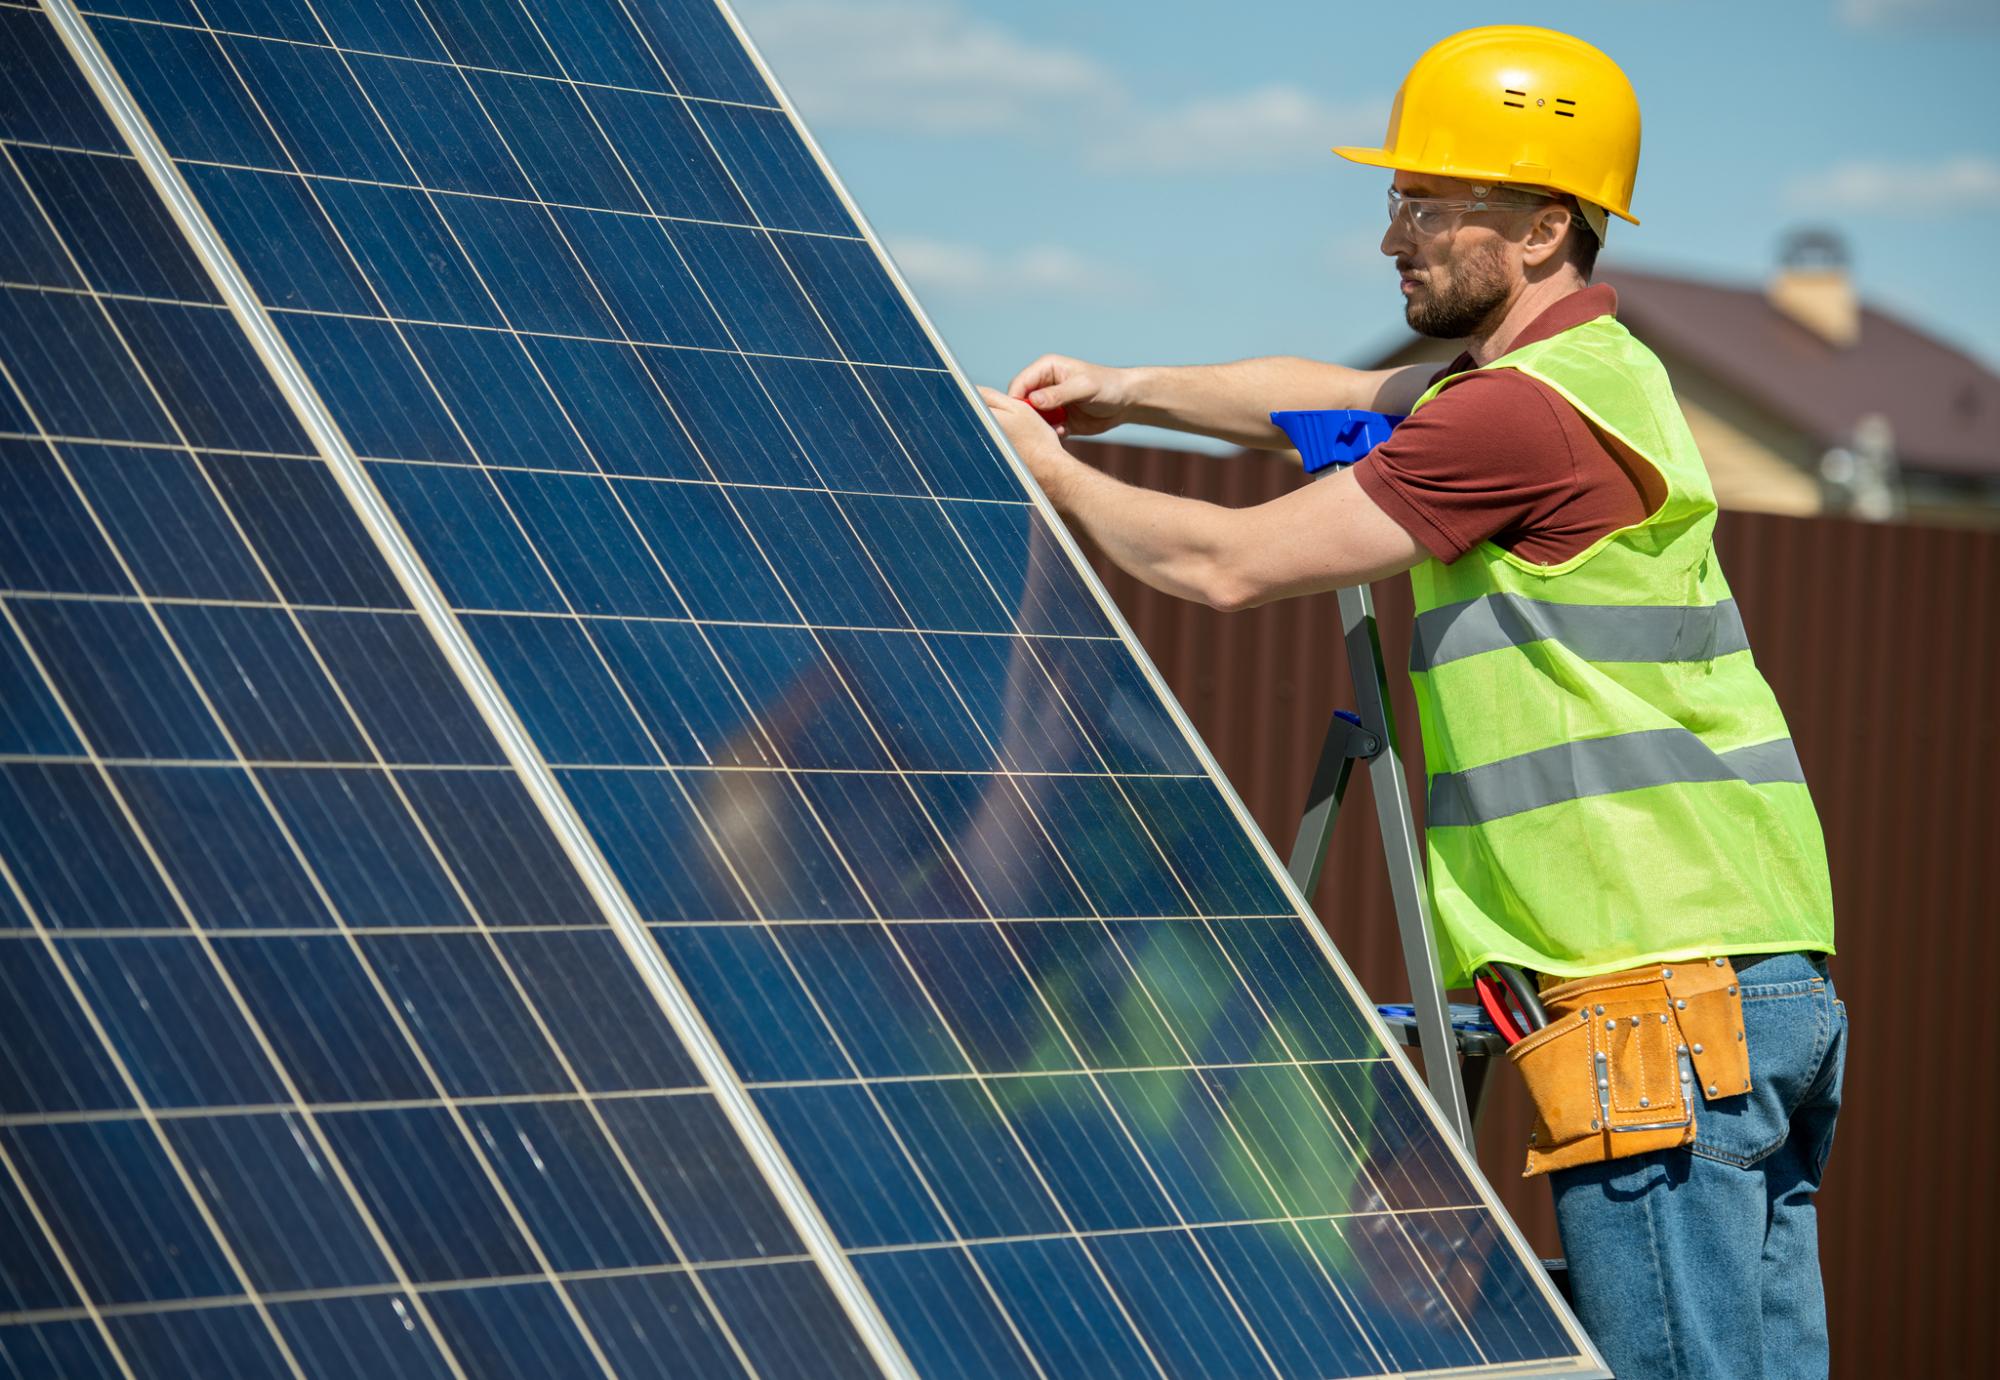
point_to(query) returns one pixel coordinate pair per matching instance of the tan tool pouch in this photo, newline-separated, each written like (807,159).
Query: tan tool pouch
(1625,1057)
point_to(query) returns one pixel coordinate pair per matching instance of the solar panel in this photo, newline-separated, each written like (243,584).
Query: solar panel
(562,809)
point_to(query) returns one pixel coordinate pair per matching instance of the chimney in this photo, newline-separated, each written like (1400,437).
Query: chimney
(1814,288)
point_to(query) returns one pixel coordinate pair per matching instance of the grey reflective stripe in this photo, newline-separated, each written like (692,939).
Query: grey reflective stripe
(1595,632)
(1601,766)
(1763,763)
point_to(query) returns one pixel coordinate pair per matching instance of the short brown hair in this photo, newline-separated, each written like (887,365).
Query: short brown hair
(1583,242)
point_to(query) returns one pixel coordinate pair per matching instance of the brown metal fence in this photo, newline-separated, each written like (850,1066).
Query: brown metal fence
(1883,644)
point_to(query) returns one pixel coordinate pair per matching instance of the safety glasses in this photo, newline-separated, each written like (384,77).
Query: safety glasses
(1433,215)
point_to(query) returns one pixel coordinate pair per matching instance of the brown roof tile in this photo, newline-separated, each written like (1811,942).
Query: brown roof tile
(1943,404)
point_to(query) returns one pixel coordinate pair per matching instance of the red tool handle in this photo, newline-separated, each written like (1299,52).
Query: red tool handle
(1493,997)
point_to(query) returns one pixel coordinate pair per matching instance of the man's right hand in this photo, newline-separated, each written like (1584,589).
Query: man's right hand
(1095,397)
(1231,402)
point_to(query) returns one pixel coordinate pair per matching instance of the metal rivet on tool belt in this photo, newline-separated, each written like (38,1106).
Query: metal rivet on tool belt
(1697,1049)
(1746,1082)
(1635,1020)
(1732,989)
(1600,1008)
(1739,1037)
(1666,972)
(1611,1025)
(1681,1004)
(1711,1090)
(1593,1126)
(1663,1018)
(1645,1102)
(1720,961)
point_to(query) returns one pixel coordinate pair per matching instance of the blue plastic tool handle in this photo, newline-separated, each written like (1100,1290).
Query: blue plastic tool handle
(1338,436)
(1464,1015)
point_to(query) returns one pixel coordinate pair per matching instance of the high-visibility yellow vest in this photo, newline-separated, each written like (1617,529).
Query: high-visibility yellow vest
(1611,781)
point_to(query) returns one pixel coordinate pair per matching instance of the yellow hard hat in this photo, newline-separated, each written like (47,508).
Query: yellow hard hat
(1512,103)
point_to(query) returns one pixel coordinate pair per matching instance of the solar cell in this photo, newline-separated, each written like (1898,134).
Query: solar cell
(561,809)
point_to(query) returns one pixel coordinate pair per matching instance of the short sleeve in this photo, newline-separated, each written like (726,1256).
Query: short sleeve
(1486,457)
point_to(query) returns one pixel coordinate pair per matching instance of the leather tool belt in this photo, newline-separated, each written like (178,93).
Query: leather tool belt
(1625,1058)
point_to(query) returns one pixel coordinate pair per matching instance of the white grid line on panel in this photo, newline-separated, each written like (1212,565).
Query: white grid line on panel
(475,95)
(423,1288)
(1099,591)
(115,443)
(472,674)
(332,47)
(692,768)
(196,931)
(117,795)
(284,605)
(169,1113)
(833,845)
(132,123)
(90,1311)
(388,318)
(276,1297)
(1167,1024)
(392,929)
(937,1011)
(1193,739)
(1117,1116)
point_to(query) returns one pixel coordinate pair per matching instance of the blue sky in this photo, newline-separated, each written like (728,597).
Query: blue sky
(1142,182)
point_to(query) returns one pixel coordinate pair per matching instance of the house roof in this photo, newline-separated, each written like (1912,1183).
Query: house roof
(1943,405)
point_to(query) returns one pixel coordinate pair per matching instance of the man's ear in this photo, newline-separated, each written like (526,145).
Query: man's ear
(1547,233)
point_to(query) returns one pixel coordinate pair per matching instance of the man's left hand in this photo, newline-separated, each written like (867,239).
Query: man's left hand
(1034,440)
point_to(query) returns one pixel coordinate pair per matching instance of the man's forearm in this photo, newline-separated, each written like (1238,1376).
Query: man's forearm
(1320,536)
(1180,546)
(1233,402)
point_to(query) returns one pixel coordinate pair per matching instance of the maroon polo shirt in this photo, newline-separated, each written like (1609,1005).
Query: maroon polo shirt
(1502,457)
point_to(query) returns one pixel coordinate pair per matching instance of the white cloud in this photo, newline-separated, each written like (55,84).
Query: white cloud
(916,66)
(927,67)
(1912,189)
(950,268)
(1269,127)
(1887,14)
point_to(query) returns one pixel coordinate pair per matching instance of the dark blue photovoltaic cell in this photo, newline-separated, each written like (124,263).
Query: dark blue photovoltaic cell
(372,1334)
(775,170)
(132,1235)
(44,99)
(226,1341)
(310,998)
(1073,1323)
(667,154)
(168,1015)
(105,213)
(53,1064)
(950,1324)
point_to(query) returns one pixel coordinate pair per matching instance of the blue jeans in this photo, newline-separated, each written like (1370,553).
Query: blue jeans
(1703,1262)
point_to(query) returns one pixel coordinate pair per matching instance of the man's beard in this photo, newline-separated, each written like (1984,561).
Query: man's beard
(1477,288)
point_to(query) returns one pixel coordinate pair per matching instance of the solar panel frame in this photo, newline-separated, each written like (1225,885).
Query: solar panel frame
(531,764)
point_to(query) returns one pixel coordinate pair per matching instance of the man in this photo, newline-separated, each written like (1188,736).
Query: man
(1614,803)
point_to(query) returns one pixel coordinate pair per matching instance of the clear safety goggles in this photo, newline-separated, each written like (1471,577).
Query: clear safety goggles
(1433,215)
